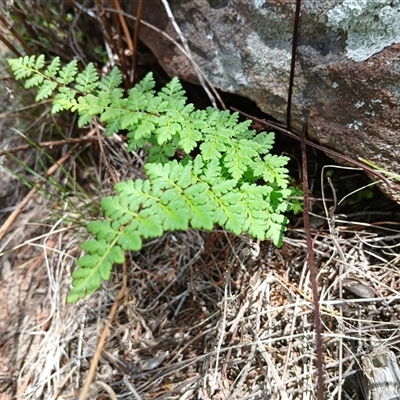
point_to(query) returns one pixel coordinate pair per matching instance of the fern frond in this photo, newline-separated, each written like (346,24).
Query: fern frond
(23,67)
(241,156)
(173,91)
(111,81)
(53,68)
(67,73)
(94,267)
(233,181)
(34,81)
(157,153)
(167,129)
(146,85)
(87,80)
(39,62)
(272,169)
(64,100)
(265,140)
(46,90)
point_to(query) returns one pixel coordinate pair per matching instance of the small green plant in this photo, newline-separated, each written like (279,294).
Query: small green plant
(231,180)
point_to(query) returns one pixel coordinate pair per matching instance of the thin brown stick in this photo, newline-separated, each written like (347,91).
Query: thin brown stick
(139,14)
(49,144)
(327,150)
(10,114)
(131,46)
(313,269)
(96,357)
(293,63)
(21,15)
(118,50)
(124,25)
(180,48)
(15,33)
(10,220)
(10,46)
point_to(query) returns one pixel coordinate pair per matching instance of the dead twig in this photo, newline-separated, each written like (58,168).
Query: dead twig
(10,220)
(139,14)
(181,48)
(49,144)
(313,270)
(103,337)
(326,150)
(15,34)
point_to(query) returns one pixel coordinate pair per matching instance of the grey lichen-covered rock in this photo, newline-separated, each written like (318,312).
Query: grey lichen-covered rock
(347,81)
(371,25)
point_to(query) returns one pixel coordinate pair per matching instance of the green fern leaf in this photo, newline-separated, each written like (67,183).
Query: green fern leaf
(138,101)
(22,67)
(231,213)
(216,141)
(202,206)
(223,186)
(95,247)
(104,229)
(240,156)
(157,153)
(84,119)
(85,280)
(276,228)
(46,90)
(265,140)
(88,105)
(220,186)
(113,112)
(211,172)
(34,81)
(173,90)
(146,84)
(273,170)
(189,138)
(115,256)
(113,127)
(277,200)
(178,111)
(257,224)
(144,128)
(155,105)
(255,196)
(39,62)
(134,194)
(132,118)
(166,130)
(67,73)
(175,216)
(87,80)
(162,175)
(112,81)
(88,261)
(53,68)
(129,239)
(64,100)
(149,225)
(116,211)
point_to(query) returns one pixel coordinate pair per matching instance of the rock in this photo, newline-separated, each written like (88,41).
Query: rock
(347,80)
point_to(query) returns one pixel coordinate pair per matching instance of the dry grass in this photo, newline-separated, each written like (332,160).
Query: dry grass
(205,315)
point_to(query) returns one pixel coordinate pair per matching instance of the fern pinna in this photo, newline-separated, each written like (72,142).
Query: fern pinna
(233,181)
